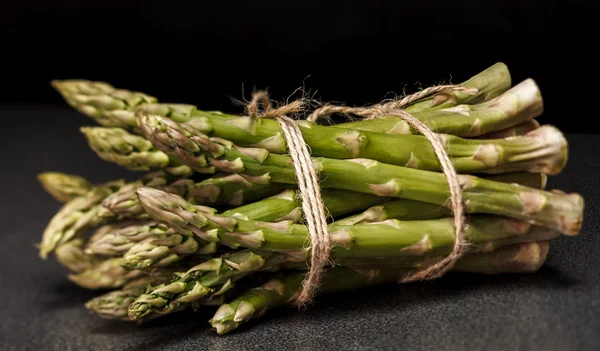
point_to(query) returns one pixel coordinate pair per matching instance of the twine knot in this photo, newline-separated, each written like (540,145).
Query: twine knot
(310,191)
(261,97)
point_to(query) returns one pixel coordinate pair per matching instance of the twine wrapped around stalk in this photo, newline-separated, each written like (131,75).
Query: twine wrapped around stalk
(310,191)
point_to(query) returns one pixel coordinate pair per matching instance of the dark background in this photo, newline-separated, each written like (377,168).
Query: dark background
(204,52)
(355,52)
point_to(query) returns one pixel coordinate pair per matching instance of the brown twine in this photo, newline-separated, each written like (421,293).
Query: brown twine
(262,97)
(394,108)
(375,111)
(308,186)
(310,192)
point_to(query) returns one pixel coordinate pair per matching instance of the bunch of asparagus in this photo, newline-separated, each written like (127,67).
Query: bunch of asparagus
(215,218)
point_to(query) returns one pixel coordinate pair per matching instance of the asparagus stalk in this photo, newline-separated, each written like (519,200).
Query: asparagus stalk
(143,244)
(254,303)
(521,103)
(222,189)
(115,239)
(209,278)
(106,105)
(285,206)
(85,212)
(489,83)
(414,210)
(544,150)
(114,304)
(163,250)
(400,209)
(110,274)
(232,190)
(213,278)
(148,243)
(216,276)
(555,210)
(131,151)
(105,274)
(121,204)
(520,258)
(111,107)
(388,238)
(541,151)
(64,187)
(72,256)
(416,242)
(75,217)
(236,190)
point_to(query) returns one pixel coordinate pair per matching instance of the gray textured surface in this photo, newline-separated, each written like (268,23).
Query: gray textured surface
(555,309)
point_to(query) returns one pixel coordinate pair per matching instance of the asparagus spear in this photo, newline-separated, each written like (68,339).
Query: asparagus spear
(85,212)
(555,210)
(62,186)
(106,105)
(285,206)
(541,151)
(75,217)
(131,151)
(521,103)
(114,304)
(145,244)
(412,210)
(222,189)
(254,303)
(544,149)
(416,242)
(163,250)
(216,276)
(489,83)
(113,107)
(387,238)
(520,258)
(105,274)
(148,243)
(121,204)
(235,190)
(72,256)
(212,277)
(90,210)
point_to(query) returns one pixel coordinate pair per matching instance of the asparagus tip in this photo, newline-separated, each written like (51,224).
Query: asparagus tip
(62,186)
(173,210)
(115,144)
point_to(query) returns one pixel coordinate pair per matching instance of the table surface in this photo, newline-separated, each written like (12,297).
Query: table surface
(557,308)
